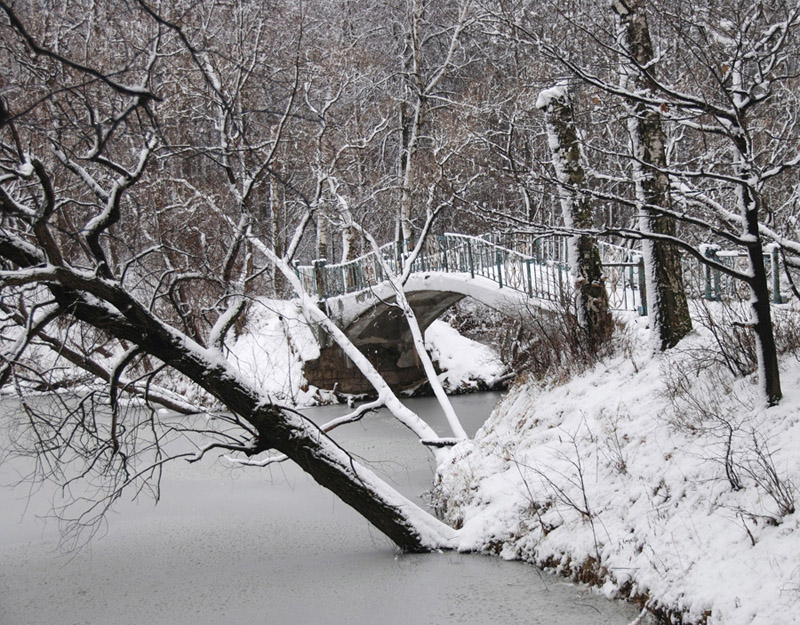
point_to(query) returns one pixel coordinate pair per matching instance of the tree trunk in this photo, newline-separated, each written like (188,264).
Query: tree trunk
(349,241)
(584,255)
(277,202)
(105,305)
(403,522)
(766,351)
(323,236)
(768,370)
(410,121)
(668,308)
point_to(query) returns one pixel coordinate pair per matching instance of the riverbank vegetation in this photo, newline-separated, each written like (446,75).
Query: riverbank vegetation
(661,478)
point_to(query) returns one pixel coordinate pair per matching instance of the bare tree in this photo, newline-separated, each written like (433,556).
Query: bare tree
(92,260)
(712,124)
(668,308)
(432,48)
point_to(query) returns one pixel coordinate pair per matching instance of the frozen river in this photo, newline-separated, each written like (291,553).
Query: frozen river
(269,546)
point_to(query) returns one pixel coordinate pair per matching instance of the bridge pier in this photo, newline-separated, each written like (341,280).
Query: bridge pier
(383,336)
(334,370)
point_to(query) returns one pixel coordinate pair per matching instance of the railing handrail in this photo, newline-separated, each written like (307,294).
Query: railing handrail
(453,252)
(352,261)
(479,239)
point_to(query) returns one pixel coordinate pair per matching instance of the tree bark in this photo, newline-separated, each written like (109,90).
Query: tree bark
(276,219)
(584,255)
(668,308)
(766,351)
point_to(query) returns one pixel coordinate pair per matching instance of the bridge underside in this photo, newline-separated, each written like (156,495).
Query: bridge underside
(382,334)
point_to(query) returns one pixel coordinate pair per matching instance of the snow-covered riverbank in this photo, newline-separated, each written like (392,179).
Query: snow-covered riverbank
(658,477)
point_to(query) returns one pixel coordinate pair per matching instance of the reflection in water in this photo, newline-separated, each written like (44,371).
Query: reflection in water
(269,546)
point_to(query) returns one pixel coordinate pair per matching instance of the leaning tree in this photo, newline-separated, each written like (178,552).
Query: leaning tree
(130,176)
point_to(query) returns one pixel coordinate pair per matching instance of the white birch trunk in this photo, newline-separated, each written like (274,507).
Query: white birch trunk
(413,325)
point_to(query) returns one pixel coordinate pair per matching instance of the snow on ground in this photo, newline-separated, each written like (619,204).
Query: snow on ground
(465,364)
(277,341)
(271,351)
(684,497)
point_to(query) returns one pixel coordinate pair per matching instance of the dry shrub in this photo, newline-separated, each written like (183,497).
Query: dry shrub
(708,400)
(729,324)
(696,390)
(546,344)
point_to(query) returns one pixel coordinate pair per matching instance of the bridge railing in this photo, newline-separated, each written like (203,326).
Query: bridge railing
(330,280)
(536,266)
(622,266)
(705,282)
(543,275)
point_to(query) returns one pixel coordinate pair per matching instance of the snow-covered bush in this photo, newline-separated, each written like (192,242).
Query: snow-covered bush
(547,345)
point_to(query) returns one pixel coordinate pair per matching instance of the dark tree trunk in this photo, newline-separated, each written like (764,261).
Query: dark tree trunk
(768,370)
(769,373)
(124,318)
(275,220)
(294,436)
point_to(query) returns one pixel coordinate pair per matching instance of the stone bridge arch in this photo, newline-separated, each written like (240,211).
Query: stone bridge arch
(374,323)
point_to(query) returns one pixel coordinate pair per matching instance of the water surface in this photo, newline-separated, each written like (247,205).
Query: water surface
(269,546)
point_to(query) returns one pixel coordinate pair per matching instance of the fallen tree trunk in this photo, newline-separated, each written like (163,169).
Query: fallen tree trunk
(105,305)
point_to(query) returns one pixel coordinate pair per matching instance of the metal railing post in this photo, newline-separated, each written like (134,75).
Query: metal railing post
(642,288)
(530,280)
(499,259)
(471,262)
(712,276)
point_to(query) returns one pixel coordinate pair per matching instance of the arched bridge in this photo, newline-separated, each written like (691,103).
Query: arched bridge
(509,273)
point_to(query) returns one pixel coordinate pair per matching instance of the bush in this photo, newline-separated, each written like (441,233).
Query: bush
(710,399)
(544,344)
(729,324)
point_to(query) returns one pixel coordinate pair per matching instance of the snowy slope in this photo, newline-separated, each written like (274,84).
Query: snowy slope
(271,351)
(466,365)
(616,466)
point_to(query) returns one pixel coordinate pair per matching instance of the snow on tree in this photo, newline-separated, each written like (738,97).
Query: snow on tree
(668,308)
(97,269)
(584,255)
